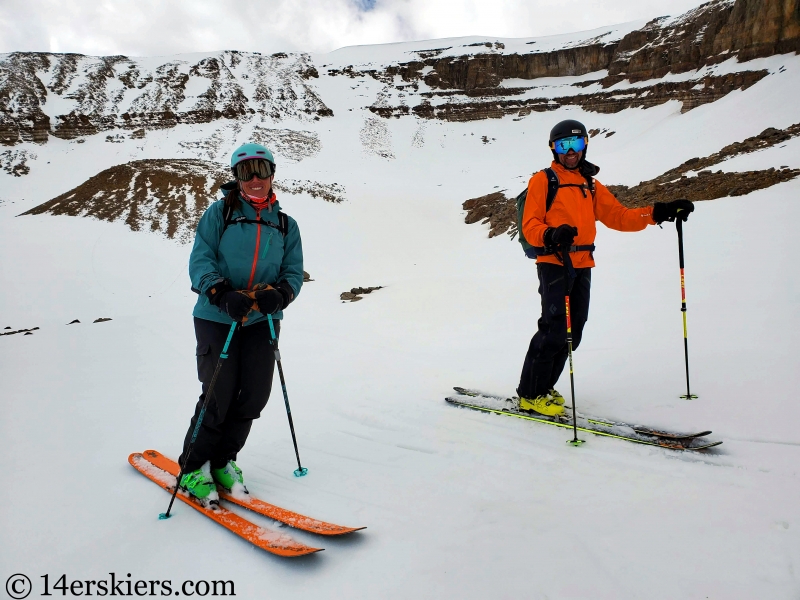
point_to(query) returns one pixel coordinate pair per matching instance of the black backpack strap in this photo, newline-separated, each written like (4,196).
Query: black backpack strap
(283,223)
(282,226)
(552,187)
(227,213)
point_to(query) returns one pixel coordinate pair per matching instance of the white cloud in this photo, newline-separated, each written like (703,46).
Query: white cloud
(157,27)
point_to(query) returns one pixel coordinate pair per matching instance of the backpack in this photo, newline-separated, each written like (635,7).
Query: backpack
(553,185)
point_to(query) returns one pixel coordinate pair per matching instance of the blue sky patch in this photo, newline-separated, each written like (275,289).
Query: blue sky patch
(365,5)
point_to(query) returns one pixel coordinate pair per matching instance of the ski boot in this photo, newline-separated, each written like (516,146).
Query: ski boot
(200,485)
(230,477)
(544,405)
(556,397)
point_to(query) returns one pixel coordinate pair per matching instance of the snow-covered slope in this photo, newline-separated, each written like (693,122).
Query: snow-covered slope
(457,504)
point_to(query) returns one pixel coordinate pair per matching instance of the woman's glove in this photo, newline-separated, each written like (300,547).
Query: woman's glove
(274,299)
(236,305)
(217,291)
(669,211)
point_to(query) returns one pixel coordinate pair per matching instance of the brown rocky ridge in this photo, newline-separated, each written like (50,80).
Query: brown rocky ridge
(692,180)
(713,32)
(166,196)
(119,92)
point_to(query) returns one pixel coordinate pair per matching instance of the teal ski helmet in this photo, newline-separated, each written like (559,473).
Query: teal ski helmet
(249,152)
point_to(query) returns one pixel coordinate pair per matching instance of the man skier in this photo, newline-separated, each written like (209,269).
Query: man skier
(564,228)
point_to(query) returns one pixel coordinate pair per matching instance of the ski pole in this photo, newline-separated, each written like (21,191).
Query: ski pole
(567,279)
(223,355)
(679,225)
(301,470)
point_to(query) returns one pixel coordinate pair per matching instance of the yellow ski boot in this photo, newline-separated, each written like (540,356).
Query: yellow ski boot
(544,405)
(556,397)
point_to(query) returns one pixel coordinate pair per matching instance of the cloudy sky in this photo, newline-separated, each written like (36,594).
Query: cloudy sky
(157,27)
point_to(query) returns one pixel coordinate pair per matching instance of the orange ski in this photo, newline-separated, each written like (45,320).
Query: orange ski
(287,517)
(273,542)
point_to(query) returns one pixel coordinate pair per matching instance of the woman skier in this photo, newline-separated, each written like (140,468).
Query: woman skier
(246,263)
(561,207)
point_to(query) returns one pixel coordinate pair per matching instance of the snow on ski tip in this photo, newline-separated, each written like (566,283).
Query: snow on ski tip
(275,543)
(504,406)
(287,517)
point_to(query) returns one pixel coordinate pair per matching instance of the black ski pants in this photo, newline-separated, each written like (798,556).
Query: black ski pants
(240,394)
(548,350)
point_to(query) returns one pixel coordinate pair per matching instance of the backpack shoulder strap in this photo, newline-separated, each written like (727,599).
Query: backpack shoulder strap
(552,187)
(227,213)
(283,223)
(590,184)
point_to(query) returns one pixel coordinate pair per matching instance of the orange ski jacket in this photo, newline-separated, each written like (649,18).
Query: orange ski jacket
(572,208)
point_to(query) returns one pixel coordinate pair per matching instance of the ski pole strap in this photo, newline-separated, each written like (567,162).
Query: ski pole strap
(274,342)
(566,260)
(224,353)
(535,251)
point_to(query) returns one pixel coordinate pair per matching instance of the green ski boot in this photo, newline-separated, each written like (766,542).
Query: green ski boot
(200,484)
(230,477)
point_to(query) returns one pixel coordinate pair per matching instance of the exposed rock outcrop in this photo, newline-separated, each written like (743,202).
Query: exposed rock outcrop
(166,196)
(690,93)
(104,93)
(709,34)
(15,162)
(694,180)
(356,293)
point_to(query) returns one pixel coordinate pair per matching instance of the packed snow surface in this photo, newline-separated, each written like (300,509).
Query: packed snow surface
(458,504)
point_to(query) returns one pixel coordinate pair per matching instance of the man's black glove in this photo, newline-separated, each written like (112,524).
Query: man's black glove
(275,299)
(236,305)
(669,211)
(560,237)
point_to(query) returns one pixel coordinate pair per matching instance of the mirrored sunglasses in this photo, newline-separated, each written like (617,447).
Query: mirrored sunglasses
(564,145)
(248,169)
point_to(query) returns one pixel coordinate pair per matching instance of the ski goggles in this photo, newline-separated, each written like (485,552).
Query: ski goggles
(257,167)
(564,145)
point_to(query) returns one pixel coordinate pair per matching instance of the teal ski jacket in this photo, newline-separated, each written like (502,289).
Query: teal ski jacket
(247,254)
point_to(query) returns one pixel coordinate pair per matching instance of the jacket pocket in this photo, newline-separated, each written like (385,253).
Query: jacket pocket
(203,349)
(267,245)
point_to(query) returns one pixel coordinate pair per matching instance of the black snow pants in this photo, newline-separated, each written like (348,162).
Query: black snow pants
(240,394)
(548,350)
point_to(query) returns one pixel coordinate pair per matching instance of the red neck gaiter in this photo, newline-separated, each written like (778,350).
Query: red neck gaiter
(259,203)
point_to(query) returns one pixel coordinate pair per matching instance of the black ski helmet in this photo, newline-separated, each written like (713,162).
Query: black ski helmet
(566,129)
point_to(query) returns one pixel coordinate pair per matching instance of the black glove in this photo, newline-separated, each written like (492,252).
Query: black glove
(217,291)
(669,211)
(275,299)
(560,237)
(236,305)
(269,301)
